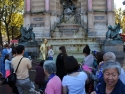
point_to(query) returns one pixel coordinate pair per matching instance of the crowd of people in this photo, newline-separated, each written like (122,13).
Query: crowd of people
(98,73)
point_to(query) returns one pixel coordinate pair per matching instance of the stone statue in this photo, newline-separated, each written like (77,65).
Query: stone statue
(43,49)
(68,6)
(27,34)
(113,33)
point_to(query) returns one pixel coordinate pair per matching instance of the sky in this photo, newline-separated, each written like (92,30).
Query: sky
(118,4)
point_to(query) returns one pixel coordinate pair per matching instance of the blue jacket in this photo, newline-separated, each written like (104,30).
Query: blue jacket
(119,88)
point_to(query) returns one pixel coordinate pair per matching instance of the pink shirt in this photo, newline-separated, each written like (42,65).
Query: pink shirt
(54,86)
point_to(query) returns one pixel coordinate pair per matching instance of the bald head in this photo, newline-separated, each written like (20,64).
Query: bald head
(109,56)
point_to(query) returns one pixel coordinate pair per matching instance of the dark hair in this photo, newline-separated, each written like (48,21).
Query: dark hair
(20,49)
(14,50)
(71,64)
(6,57)
(86,50)
(99,57)
(62,48)
(6,45)
(42,62)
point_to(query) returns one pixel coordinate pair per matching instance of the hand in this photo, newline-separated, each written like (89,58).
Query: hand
(93,92)
(101,63)
(88,72)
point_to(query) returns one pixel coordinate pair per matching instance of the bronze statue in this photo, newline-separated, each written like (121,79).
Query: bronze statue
(113,33)
(43,49)
(27,34)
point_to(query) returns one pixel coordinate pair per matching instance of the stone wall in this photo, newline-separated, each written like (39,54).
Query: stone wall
(93,15)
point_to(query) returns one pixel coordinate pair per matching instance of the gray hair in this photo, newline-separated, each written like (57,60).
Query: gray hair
(49,66)
(112,64)
(109,56)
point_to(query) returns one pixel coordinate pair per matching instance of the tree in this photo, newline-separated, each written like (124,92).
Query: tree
(16,22)
(120,18)
(9,8)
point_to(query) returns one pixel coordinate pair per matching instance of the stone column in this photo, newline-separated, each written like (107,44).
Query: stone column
(110,12)
(89,5)
(109,5)
(47,5)
(27,5)
(27,19)
(47,24)
(91,32)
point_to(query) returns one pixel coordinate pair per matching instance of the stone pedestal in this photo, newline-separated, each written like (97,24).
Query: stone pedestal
(115,48)
(32,48)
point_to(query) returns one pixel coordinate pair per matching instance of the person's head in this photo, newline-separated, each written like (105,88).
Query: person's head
(99,57)
(62,50)
(42,62)
(49,67)
(6,56)
(14,51)
(6,46)
(20,49)
(109,56)
(86,50)
(71,64)
(49,47)
(45,41)
(111,71)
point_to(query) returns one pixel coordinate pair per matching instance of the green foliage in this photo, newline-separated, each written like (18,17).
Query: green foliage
(11,16)
(120,18)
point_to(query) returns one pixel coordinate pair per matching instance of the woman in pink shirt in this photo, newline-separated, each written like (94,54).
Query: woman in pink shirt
(53,81)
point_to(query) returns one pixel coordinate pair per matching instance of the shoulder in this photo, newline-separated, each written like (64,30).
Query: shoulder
(26,59)
(54,79)
(83,74)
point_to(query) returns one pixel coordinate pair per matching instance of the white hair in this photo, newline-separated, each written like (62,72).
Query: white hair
(112,64)
(49,66)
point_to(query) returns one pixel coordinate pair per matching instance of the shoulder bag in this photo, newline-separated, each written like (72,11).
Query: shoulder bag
(12,77)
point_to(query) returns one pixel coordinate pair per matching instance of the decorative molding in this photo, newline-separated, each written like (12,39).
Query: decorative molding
(99,17)
(38,24)
(38,19)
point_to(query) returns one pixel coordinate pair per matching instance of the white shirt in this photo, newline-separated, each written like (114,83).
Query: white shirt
(50,53)
(75,84)
(122,75)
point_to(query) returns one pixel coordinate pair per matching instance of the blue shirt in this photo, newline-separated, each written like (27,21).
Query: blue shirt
(7,64)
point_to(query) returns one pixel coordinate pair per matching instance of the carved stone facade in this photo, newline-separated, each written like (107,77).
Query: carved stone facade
(93,15)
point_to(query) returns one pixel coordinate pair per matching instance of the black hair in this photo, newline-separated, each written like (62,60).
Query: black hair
(71,64)
(14,50)
(99,57)
(20,49)
(42,62)
(63,49)
(86,50)
(6,57)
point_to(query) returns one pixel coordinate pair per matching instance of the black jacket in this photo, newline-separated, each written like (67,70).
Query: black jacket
(119,88)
